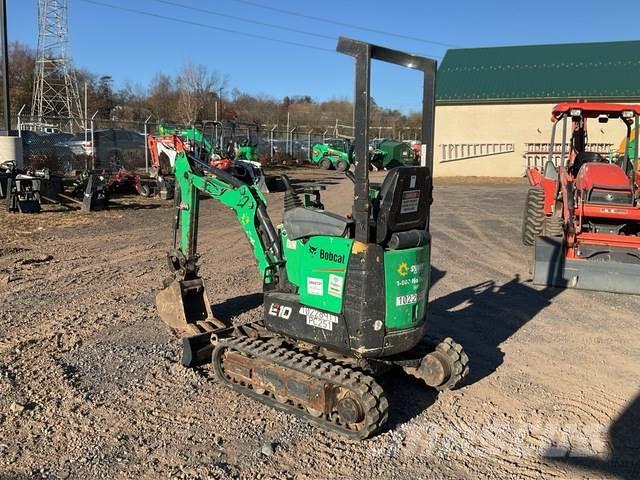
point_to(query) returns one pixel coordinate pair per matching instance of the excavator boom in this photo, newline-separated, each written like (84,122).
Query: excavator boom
(182,304)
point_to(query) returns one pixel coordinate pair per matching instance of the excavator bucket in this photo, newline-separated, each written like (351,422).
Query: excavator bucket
(552,268)
(183,305)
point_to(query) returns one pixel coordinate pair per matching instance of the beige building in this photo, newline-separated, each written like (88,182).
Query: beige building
(493,113)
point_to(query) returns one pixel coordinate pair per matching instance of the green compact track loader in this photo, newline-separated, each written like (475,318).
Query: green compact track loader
(345,298)
(333,153)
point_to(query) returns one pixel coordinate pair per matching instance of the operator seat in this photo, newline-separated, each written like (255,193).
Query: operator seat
(582,158)
(300,221)
(401,208)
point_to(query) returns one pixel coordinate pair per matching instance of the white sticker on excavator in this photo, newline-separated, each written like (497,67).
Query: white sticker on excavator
(319,319)
(291,244)
(315,286)
(410,201)
(335,285)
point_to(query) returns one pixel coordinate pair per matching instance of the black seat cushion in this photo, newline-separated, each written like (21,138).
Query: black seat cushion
(582,158)
(403,202)
(301,222)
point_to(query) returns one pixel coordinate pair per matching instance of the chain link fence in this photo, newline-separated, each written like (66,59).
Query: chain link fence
(65,145)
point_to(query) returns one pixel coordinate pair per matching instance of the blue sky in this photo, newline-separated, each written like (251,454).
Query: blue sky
(133,47)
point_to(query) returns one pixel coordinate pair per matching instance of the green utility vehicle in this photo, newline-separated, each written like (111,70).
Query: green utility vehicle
(392,153)
(344,297)
(333,153)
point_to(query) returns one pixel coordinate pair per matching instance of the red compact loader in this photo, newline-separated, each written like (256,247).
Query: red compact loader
(582,215)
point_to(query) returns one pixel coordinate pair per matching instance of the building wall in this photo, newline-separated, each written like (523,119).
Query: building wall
(488,129)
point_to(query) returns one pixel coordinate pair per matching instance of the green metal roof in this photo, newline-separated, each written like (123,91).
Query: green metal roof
(537,73)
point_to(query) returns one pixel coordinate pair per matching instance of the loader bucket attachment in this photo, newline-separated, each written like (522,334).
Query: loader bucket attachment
(552,268)
(183,305)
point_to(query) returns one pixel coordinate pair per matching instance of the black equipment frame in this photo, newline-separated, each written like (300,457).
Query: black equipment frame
(363,53)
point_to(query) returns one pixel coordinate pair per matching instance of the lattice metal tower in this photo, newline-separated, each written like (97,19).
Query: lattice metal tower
(55,90)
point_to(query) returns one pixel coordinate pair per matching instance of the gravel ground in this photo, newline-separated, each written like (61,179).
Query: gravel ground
(91,385)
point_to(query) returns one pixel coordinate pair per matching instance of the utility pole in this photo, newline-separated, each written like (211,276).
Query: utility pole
(220,102)
(5,68)
(55,90)
(85,113)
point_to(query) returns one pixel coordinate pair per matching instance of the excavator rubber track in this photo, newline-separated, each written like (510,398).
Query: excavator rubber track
(326,394)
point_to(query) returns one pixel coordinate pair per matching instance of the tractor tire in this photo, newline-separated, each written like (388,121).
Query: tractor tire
(145,190)
(554,226)
(325,164)
(534,218)
(342,166)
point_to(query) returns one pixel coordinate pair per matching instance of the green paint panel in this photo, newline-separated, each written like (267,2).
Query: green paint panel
(406,274)
(247,152)
(591,71)
(319,270)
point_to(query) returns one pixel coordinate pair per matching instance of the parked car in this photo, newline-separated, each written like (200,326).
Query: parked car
(39,149)
(112,149)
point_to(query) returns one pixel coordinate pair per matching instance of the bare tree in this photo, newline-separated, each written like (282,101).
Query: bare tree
(163,97)
(196,86)
(22,60)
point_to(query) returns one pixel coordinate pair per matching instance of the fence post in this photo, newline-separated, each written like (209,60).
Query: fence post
(146,148)
(271,138)
(291,141)
(20,121)
(287,144)
(93,146)
(324,136)
(309,145)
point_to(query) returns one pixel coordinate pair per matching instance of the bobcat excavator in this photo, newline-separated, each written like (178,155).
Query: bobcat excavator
(344,298)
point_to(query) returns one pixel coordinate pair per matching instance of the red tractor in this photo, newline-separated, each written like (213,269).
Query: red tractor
(582,215)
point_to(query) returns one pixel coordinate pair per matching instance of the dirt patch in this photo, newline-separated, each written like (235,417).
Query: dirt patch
(91,386)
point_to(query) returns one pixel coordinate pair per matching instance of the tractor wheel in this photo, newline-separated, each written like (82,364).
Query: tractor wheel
(145,190)
(325,164)
(534,218)
(554,226)
(342,166)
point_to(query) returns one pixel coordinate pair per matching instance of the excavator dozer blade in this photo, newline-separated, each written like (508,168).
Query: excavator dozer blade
(183,305)
(552,268)
(196,350)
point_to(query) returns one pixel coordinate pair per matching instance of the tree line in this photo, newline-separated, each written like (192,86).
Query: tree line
(194,94)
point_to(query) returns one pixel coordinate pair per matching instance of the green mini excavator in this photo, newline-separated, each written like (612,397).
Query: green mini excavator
(345,298)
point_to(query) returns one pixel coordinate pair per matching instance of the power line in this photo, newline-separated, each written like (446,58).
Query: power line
(343,24)
(207,26)
(222,29)
(241,19)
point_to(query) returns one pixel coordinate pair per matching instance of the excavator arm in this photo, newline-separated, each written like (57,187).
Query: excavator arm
(183,303)
(246,201)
